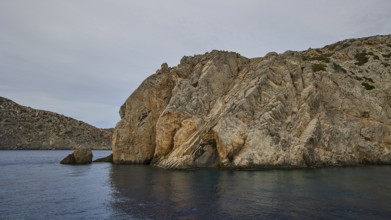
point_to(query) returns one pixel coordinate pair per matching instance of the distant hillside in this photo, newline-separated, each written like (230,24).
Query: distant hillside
(27,128)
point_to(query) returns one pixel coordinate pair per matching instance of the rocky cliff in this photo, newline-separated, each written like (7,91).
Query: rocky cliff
(320,107)
(26,128)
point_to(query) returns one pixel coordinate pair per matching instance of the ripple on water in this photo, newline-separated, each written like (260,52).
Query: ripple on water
(34,186)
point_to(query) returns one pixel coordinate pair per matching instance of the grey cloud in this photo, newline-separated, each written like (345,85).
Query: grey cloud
(82,58)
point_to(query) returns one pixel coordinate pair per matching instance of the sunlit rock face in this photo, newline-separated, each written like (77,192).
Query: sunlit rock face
(319,107)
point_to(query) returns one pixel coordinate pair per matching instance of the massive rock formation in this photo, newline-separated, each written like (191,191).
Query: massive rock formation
(319,107)
(26,128)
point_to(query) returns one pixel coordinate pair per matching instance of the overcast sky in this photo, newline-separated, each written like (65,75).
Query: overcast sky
(83,58)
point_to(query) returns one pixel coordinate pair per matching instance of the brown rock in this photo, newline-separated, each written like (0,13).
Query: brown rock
(79,156)
(70,159)
(108,159)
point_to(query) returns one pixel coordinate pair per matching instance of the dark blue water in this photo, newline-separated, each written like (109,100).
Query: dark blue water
(33,185)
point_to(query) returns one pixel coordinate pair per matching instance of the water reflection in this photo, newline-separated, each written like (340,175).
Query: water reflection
(145,192)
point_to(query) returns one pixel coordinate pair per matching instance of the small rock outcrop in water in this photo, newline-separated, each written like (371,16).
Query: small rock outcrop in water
(79,156)
(320,107)
(108,159)
(26,128)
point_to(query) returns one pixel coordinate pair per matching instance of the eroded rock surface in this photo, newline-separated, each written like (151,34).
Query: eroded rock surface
(319,107)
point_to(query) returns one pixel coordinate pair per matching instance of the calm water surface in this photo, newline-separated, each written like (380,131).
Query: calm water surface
(33,185)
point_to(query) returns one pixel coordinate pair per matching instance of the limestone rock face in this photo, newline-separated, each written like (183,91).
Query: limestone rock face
(27,128)
(320,107)
(79,156)
(135,135)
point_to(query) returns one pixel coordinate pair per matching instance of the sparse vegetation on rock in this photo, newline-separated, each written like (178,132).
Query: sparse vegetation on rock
(27,128)
(367,86)
(318,67)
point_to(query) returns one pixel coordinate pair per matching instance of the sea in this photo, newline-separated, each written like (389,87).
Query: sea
(33,185)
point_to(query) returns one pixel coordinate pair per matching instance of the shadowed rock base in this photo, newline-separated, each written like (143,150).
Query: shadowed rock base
(108,159)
